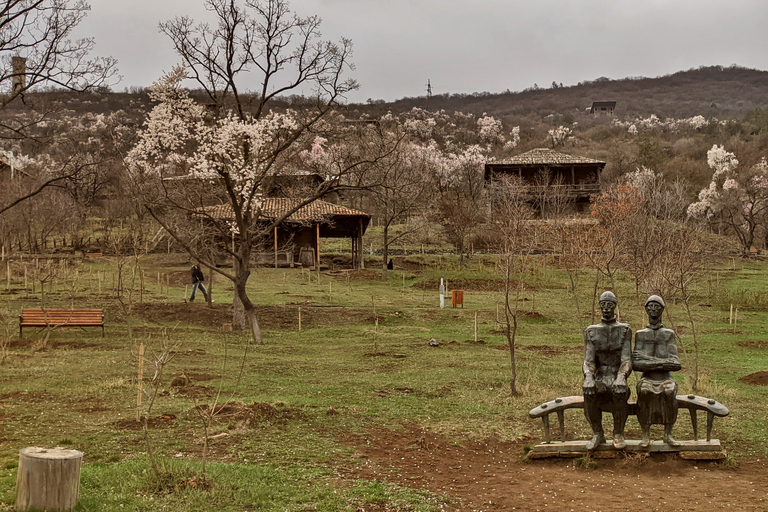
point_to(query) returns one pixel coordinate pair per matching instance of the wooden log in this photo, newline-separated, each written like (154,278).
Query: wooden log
(48,479)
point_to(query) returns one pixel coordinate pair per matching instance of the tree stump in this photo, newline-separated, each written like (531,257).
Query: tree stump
(48,479)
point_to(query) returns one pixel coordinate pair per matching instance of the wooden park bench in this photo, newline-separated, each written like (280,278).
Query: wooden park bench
(35,317)
(709,449)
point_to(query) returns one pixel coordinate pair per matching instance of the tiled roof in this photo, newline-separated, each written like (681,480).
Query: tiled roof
(276,207)
(546,156)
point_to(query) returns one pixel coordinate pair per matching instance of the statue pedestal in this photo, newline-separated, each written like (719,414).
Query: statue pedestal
(694,450)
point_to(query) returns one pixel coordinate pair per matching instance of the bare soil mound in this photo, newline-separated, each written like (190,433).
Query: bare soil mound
(756,379)
(490,475)
(251,415)
(753,344)
(184,314)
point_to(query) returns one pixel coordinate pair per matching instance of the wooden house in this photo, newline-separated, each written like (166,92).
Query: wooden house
(604,108)
(297,240)
(546,170)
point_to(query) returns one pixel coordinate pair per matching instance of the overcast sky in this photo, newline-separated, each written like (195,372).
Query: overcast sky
(465,46)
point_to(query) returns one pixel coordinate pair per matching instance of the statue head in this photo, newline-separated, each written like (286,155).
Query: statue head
(608,305)
(654,306)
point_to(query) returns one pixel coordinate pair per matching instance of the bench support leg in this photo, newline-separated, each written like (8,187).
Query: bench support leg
(695,425)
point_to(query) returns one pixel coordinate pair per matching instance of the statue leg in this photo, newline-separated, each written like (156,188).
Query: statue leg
(594,415)
(620,414)
(644,414)
(670,404)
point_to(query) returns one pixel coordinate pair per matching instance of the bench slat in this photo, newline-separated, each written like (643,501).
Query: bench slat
(36,317)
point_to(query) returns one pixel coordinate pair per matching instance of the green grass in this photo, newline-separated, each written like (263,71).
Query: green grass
(81,389)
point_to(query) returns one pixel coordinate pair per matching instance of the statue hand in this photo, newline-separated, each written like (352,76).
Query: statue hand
(589,385)
(620,385)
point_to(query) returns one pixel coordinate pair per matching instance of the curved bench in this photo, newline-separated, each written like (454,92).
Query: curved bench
(693,403)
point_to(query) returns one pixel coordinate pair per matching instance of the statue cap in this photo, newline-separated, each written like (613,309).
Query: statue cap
(608,295)
(658,300)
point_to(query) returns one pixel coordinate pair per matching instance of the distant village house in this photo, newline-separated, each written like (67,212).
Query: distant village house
(604,108)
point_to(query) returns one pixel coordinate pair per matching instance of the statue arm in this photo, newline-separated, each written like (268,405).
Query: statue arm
(590,364)
(625,368)
(589,367)
(672,363)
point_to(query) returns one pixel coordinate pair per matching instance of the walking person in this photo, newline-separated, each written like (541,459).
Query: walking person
(197,282)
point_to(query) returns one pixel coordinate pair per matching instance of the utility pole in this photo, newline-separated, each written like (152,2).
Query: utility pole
(429,89)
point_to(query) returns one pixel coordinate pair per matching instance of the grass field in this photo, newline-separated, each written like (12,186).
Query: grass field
(291,413)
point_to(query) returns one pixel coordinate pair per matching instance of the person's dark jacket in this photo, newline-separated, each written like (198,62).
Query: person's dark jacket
(197,274)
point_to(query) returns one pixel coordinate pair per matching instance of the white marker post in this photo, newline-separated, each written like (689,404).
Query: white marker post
(442,294)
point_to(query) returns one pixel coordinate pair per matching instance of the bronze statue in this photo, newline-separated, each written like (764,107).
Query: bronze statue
(656,356)
(607,364)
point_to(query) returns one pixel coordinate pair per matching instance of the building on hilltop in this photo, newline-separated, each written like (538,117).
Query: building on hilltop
(604,108)
(548,172)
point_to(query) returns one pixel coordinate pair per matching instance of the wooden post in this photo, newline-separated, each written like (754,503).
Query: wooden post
(276,246)
(48,479)
(140,383)
(8,274)
(730,316)
(475,326)
(317,230)
(360,250)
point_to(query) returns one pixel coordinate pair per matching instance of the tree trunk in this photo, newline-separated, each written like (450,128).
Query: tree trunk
(209,299)
(48,479)
(385,251)
(238,314)
(244,311)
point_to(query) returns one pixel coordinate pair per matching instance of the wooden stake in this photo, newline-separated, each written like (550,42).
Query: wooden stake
(140,383)
(25,277)
(730,316)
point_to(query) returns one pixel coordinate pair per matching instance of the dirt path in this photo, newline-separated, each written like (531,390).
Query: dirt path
(490,476)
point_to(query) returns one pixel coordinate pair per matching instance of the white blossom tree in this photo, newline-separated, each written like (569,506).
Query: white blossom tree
(736,198)
(241,139)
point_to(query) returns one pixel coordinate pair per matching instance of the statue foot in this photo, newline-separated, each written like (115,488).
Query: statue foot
(618,442)
(645,442)
(670,440)
(595,441)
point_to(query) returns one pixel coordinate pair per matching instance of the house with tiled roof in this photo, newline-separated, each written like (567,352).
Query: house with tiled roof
(574,176)
(297,236)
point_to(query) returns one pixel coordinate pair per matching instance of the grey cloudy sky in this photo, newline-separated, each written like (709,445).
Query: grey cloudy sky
(466,46)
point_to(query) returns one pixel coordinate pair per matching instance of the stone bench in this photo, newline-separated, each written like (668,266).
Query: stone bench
(696,449)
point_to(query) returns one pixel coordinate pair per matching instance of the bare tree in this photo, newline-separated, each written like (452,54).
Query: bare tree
(516,242)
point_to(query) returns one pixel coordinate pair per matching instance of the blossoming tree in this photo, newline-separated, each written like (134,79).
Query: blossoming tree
(228,148)
(736,198)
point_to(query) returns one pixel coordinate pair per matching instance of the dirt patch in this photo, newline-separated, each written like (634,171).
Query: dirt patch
(192,391)
(165,420)
(201,377)
(186,314)
(753,344)
(251,415)
(756,379)
(287,317)
(490,475)
(30,397)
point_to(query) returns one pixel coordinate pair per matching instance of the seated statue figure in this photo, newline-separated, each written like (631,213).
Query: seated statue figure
(656,356)
(607,364)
